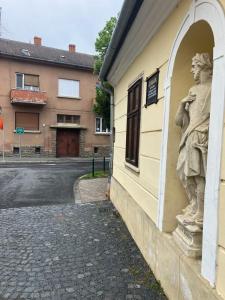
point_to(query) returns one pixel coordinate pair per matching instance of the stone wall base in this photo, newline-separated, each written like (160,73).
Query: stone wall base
(29,151)
(179,275)
(96,150)
(101,152)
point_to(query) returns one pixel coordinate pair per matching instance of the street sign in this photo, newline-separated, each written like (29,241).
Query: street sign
(20,130)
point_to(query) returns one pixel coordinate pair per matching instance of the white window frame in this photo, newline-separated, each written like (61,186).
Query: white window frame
(101,132)
(31,88)
(65,95)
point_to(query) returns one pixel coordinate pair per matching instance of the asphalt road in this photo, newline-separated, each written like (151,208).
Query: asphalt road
(39,184)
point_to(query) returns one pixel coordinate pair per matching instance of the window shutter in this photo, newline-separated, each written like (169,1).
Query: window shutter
(28,121)
(31,80)
(133,123)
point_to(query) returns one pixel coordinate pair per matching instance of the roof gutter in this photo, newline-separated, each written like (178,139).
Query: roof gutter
(127,16)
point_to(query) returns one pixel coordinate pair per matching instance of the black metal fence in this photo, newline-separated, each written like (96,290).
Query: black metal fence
(102,165)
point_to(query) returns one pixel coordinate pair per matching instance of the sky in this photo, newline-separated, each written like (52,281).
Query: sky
(58,22)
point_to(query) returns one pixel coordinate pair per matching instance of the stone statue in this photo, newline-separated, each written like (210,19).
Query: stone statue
(193,117)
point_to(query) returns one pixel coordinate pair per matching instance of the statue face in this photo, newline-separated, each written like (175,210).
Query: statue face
(195,70)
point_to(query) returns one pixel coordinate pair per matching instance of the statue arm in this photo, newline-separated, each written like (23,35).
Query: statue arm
(180,113)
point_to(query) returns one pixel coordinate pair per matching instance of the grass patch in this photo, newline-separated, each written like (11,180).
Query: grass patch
(97,174)
(146,279)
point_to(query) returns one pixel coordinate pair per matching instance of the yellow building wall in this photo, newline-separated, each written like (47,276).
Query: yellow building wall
(143,184)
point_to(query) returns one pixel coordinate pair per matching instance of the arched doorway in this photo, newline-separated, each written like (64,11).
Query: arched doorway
(203,30)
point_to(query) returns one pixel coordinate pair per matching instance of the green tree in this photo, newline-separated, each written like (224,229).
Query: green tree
(102,43)
(102,105)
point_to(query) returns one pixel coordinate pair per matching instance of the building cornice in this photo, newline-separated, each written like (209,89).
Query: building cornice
(150,16)
(127,16)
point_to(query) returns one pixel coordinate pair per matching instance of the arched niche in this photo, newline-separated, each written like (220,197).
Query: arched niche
(198,39)
(208,17)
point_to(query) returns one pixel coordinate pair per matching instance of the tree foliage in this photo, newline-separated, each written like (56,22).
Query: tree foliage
(102,105)
(102,43)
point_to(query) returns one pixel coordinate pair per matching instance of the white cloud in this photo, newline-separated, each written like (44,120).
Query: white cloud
(58,22)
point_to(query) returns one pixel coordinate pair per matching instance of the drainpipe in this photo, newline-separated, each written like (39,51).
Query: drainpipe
(108,91)
(112,131)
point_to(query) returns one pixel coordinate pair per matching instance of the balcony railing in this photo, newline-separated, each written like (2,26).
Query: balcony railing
(28,97)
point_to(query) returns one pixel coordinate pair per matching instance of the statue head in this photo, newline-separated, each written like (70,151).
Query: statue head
(201,62)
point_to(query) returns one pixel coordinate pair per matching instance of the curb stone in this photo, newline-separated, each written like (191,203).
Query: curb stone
(76,192)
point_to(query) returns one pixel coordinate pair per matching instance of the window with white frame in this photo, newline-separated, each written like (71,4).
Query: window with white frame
(68,88)
(100,125)
(27,82)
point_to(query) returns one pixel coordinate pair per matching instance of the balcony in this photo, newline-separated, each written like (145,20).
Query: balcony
(28,97)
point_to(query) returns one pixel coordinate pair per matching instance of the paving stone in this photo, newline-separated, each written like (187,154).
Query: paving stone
(70,290)
(65,252)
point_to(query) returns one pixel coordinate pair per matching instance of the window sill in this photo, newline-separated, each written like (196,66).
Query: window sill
(102,133)
(29,131)
(26,90)
(69,98)
(133,168)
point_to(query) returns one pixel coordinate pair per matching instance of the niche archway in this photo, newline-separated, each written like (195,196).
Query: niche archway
(208,17)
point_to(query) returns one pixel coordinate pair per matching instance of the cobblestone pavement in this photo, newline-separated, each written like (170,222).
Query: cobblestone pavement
(67,252)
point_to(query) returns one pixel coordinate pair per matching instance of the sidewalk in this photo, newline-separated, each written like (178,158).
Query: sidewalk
(80,251)
(71,252)
(90,190)
(18,160)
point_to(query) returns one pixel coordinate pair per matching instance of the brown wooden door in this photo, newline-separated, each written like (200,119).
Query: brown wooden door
(67,143)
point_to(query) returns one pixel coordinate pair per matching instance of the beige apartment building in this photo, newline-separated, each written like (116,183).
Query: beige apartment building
(50,94)
(153,49)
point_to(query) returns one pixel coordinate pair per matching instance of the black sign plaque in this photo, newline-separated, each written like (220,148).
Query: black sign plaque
(152,88)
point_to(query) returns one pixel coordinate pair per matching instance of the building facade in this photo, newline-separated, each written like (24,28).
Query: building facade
(50,94)
(153,48)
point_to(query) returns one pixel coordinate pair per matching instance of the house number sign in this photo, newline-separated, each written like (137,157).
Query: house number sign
(152,88)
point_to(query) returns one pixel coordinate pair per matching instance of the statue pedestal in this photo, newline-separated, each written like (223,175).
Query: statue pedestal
(188,238)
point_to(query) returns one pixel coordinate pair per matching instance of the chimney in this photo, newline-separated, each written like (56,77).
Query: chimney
(72,48)
(37,41)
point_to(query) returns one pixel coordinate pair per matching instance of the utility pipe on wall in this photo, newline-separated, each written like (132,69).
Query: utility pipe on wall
(108,91)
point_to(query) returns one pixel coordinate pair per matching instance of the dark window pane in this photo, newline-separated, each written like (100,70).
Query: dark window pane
(98,124)
(19,81)
(37,150)
(103,125)
(60,118)
(76,119)
(16,150)
(68,119)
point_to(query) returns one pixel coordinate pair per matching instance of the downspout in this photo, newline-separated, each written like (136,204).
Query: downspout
(112,137)
(108,91)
